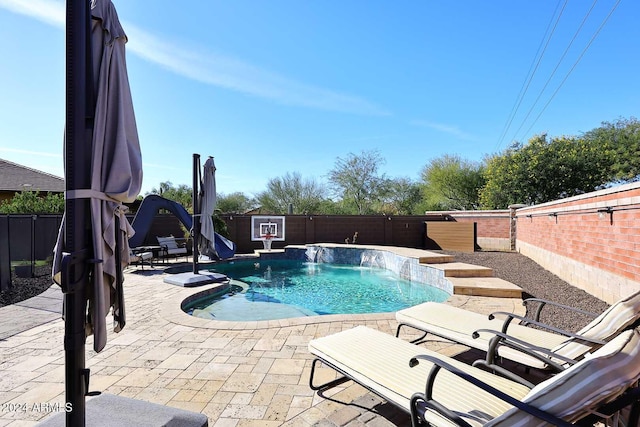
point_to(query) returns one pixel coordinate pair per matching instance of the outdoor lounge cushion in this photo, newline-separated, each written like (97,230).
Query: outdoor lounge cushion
(380,362)
(171,246)
(575,392)
(458,325)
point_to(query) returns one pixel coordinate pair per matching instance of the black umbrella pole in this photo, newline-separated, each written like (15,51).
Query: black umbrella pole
(195,224)
(75,266)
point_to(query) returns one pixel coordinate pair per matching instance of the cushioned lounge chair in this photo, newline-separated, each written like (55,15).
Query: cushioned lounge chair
(171,248)
(500,334)
(409,376)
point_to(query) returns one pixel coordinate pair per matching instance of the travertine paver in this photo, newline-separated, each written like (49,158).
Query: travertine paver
(238,374)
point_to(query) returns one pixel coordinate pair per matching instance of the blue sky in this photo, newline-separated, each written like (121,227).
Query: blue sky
(283,86)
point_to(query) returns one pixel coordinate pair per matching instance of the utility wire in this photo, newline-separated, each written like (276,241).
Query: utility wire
(575,64)
(564,54)
(530,74)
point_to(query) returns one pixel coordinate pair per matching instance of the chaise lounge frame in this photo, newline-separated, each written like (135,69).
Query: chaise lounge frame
(546,348)
(334,352)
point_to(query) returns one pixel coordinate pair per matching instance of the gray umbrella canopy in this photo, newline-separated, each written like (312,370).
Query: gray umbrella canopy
(116,169)
(208,205)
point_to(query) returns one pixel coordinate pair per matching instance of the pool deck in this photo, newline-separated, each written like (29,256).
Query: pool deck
(236,373)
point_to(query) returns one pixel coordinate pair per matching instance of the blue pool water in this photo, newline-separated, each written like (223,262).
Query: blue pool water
(284,288)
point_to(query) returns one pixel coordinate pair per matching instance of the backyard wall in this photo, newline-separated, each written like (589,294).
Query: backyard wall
(408,231)
(493,228)
(592,241)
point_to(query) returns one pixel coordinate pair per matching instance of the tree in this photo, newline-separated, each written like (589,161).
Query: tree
(236,203)
(304,195)
(450,182)
(32,202)
(619,143)
(182,194)
(401,197)
(355,179)
(544,170)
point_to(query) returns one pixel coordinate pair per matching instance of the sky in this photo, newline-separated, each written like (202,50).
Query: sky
(277,87)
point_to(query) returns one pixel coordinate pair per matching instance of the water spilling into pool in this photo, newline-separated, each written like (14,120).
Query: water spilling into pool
(283,288)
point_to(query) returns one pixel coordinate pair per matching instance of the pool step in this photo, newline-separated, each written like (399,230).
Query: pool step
(485,287)
(460,269)
(433,258)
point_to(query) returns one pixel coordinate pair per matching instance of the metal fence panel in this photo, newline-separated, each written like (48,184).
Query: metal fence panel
(5,264)
(20,237)
(25,239)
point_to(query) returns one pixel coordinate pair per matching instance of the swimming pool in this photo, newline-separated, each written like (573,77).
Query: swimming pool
(276,289)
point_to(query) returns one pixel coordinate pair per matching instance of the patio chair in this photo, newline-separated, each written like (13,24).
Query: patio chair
(442,391)
(171,248)
(140,257)
(498,335)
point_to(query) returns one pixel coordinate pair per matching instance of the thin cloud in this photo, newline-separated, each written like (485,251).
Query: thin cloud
(444,128)
(30,153)
(157,166)
(47,11)
(212,69)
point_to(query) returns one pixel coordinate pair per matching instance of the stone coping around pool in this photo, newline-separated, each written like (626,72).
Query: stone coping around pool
(171,310)
(407,262)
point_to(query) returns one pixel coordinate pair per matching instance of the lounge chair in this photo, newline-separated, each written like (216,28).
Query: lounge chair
(171,248)
(409,376)
(499,335)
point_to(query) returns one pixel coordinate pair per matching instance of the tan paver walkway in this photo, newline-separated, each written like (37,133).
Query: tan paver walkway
(238,374)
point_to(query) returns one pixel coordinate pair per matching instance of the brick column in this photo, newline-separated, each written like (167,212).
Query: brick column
(513,225)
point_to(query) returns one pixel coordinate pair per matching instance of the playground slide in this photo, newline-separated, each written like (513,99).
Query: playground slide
(149,207)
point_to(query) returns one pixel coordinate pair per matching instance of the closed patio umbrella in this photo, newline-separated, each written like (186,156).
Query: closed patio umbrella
(116,174)
(103,164)
(116,168)
(208,204)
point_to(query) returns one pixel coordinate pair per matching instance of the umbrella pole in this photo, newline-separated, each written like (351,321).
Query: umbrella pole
(195,224)
(75,266)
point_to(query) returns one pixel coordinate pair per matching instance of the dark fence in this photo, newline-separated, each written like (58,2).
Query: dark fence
(406,231)
(25,241)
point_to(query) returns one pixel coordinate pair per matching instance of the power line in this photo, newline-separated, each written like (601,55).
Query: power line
(575,64)
(530,74)
(564,54)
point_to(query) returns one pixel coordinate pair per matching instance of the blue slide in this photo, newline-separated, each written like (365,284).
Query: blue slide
(148,209)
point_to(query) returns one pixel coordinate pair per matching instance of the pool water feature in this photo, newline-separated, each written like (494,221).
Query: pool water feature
(276,289)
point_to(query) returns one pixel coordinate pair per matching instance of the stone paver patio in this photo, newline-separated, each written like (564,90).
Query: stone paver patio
(237,373)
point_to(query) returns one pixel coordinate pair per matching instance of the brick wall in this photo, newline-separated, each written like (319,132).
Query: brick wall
(596,251)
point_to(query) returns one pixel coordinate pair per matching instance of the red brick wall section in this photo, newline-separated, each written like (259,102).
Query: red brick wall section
(573,228)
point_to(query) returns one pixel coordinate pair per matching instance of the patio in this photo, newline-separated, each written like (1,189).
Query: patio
(238,374)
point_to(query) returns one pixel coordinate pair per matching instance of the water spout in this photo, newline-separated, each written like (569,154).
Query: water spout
(372,259)
(311,254)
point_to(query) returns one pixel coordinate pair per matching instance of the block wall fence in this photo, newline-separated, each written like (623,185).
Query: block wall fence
(592,240)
